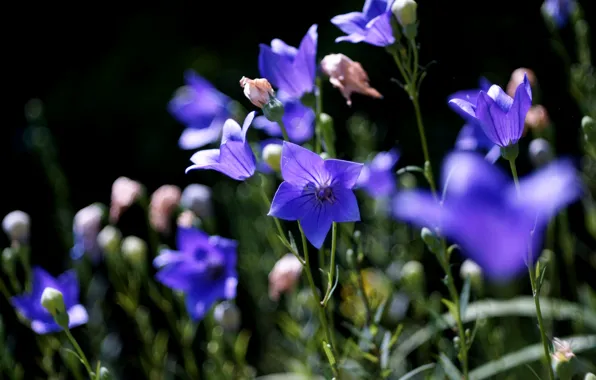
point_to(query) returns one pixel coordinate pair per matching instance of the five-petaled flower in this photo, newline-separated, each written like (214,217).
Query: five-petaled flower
(29,305)
(203,268)
(377,177)
(372,25)
(201,108)
(495,226)
(315,192)
(234,157)
(501,117)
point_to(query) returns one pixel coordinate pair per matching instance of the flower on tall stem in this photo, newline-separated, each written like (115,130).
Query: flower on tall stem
(372,25)
(315,191)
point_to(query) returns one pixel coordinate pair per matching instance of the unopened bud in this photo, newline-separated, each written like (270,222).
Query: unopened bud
(561,359)
(284,275)
(590,376)
(537,118)
(412,277)
(474,272)
(109,239)
(348,76)
(405,12)
(272,156)
(134,250)
(16,225)
(197,198)
(164,202)
(351,258)
(258,91)
(53,301)
(588,124)
(125,192)
(187,219)
(227,315)
(540,152)
(431,240)
(104,374)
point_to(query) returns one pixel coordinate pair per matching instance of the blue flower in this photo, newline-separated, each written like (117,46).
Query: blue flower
(289,69)
(472,137)
(203,268)
(471,95)
(372,25)
(501,117)
(377,177)
(316,192)
(298,119)
(201,108)
(234,157)
(483,213)
(29,305)
(558,11)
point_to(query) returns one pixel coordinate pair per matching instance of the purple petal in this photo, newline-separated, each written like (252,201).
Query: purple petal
(378,183)
(493,154)
(69,286)
(305,63)
(200,300)
(343,173)
(300,166)
(345,207)
(373,8)
(500,97)
(417,207)
(237,160)
(42,280)
(464,108)
(466,172)
(77,316)
(484,84)
(168,256)
(247,122)
(493,120)
(283,49)
(353,38)
(379,31)
(350,23)
(277,69)
(42,327)
(205,159)
(385,160)
(231,132)
(469,96)
(188,240)
(291,202)
(182,275)
(193,138)
(316,223)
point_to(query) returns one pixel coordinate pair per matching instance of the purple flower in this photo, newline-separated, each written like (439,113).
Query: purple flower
(316,192)
(234,157)
(298,119)
(204,268)
(372,25)
(501,117)
(201,108)
(262,166)
(559,11)
(471,95)
(377,177)
(472,137)
(483,213)
(29,305)
(289,69)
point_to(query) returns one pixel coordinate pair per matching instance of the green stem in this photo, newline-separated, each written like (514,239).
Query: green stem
(532,274)
(4,290)
(319,306)
(284,131)
(80,352)
(318,111)
(331,264)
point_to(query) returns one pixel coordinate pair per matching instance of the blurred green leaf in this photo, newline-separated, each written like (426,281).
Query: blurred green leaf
(450,369)
(411,375)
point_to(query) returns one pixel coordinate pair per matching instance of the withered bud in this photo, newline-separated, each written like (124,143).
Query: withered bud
(537,118)
(163,203)
(258,90)
(517,77)
(125,192)
(348,76)
(284,275)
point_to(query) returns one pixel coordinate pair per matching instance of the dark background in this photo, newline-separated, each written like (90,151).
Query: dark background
(106,70)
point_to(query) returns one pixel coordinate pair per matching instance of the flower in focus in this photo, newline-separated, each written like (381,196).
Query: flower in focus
(348,76)
(471,95)
(163,203)
(284,275)
(298,119)
(405,12)
(86,227)
(500,116)
(517,78)
(316,192)
(558,11)
(29,305)
(201,108)
(258,90)
(372,25)
(483,213)
(234,158)
(204,268)
(269,150)
(125,192)
(377,177)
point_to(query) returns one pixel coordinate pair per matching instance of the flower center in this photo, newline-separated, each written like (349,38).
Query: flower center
(215,270)
(324,194)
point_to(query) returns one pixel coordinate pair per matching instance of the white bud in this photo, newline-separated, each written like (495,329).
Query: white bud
(109,239)
(227,315)
(16,225)
(590,376)
(53,301)
(197,198)
(272,155)
(470,269)
(540,152)
(134,249)
(412,277)
(405,12)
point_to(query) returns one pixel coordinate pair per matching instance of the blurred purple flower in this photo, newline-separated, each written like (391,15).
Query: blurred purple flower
(316,192)
(501,117)
(204,268)
(372,25)
(262,166)
(472,137)
(482,212)
(201,108)
(298,119)
(289,69)
(377,177)
(29,305)
(558,11)
(234,158)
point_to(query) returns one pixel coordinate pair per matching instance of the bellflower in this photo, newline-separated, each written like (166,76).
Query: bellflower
(501,117)
(298,119)
(377,177)
(472,137)
(201,108)
(471,95)
(234,158)
(29,305)
(372,25)
(483,213)
(204,268)
(289,69)
(316,192)
(558,11)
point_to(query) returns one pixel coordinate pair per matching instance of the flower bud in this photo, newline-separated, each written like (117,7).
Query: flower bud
(104,374)
(125,192)
(16,225)
(86,225)
(227,315)
(590,376)
(405,12)
(470,269)
(273,110)
(272,156)
(197,198)
(351,258)
(537,118)
(134,250)
(164,202)
(412,277)
(347,76)
(407,180)
(589,128)
(187,219)
(540,152)
(517,78)
(561,359)
(431,240)
(258,91)
(284,275)
(53,301)
(109,239)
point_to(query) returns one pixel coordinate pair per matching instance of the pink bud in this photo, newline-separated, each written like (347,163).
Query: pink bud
(284,276)
(258,91)
(125,192)
(163,203)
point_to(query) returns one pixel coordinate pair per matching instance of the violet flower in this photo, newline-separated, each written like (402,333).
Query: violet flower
(472,137)
(471,95)
(372,25)
(29,305)
(316,192)
(234,157)
(558,11)
(377,177)
(298,119)
(501,117)
(201,108)
(203,268)
(484,214)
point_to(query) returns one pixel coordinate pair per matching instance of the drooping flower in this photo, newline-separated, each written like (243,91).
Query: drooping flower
(86,227)
(234,157)
(501,117)
(201,108)
(298,119)
(377,177)
(372,25)
(29,305)
(284,275)
(163,203)
(558,11)
(483,213)
(315,192)
(204,268)
(348,76)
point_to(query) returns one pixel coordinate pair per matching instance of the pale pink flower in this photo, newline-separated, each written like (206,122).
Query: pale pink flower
(284,275)
(258,91)
(125,192)
(163,203)
(348,76)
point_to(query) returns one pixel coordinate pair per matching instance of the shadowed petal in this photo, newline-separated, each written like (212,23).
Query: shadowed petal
(500,97)
(298,119)
(237,160)
(466,172)
(205,159)
(69,286)
(345,206)
(464,108)
(493,120)
(199,301)
(417,207)
(291,202)
(349,23)
(182,275)
(344,173)
(316,223)
(305,62)
(300,166)
(379,31)
(276,68)
(42,327)
(231,132)
(373,8)
(188,240)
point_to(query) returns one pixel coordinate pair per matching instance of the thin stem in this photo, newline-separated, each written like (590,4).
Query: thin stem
(532,274)
(315,293)
(80,352)
(284,131)
(318,111)
(331,264)
(4,290)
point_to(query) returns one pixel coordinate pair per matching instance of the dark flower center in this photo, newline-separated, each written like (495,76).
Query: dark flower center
(215,270)
(324,194)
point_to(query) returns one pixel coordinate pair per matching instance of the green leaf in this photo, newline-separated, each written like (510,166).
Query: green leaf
(451,307)
(385,346)
(411,375)
(450,369)
(329,353)
(464,297)
(241,346)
